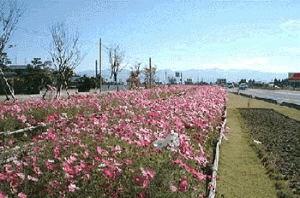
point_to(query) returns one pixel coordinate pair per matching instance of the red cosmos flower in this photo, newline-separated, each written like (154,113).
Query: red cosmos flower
(113,194)
(198,140)
(183,184)
(106,185)
(49,191)
(139,179)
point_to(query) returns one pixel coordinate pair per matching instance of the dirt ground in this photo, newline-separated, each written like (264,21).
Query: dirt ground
(63,94)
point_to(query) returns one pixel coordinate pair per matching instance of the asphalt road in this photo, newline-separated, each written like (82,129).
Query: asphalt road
(278,95)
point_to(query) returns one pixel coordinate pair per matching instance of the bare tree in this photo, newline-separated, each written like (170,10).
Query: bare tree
(134,75)
(10,14)
(116,57)
(146,73)
(65,54)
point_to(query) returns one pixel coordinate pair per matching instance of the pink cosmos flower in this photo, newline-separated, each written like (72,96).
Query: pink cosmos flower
(22,195)
(85,154)
(21,175)
(141,195)
(178,162)
(73,158)
(49,166)
(2,195)
(97,158)
(187,167)
(13,190)
(102,151)
(10,142)
(32,178)
(200,176)
(53,137)
(36,149)
(120,190)
(14,183)
(68,176)
(143,172)
(72,188)
(2,176)
(50,118)
(107,172)
(183,184)
(150,173)
(145,182)
(83,164)
(22,118)
(172,187)
(131,170)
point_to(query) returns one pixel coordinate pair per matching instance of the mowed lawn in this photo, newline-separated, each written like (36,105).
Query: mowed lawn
(240,170)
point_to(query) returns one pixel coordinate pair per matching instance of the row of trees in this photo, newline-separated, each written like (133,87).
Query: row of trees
(35,77)
(65,53)
(149,75)
(65,56)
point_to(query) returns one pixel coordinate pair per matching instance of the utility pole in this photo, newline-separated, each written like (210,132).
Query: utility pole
(100,66)
(181,77)
(96,74)
(166,77)
(150,70)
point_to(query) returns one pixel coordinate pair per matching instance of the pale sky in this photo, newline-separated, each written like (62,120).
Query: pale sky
(177,35)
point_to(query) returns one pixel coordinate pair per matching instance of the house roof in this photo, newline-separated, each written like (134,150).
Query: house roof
(17,66)
(295,77)
(76,79)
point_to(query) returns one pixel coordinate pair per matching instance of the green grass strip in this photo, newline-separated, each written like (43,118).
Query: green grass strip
(240,170)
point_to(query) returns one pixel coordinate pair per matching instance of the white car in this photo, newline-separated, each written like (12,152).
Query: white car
(230,85)
(243,86)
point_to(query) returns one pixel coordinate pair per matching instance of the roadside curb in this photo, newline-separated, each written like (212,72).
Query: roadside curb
(213,183)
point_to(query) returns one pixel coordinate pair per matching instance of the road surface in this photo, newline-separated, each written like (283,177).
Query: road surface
(278,95)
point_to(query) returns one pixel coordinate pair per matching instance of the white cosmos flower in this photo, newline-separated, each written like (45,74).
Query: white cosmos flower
(102,165)
(160,143)
(74,186)
(257,142)
(173,140)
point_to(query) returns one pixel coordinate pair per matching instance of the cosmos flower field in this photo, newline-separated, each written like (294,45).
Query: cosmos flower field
(157,142)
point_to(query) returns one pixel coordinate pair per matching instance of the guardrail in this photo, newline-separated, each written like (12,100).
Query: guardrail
(3,135)
(213,183)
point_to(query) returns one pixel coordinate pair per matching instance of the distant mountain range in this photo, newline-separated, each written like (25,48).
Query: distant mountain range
(207,75)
